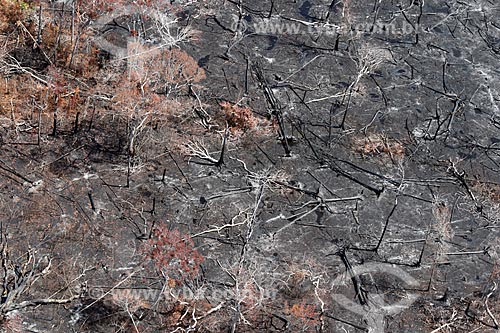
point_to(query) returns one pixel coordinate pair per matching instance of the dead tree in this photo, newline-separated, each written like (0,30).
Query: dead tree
(275,107)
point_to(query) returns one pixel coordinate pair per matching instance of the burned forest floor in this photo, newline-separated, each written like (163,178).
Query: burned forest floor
(250,166)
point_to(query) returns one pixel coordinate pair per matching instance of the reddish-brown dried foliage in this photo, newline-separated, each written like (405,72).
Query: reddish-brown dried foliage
(173,253)
(180,67)
(239,118)
(10,12)
(303,313)
(379,144)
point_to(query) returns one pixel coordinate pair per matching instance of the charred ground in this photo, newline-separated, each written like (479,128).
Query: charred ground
(287,144)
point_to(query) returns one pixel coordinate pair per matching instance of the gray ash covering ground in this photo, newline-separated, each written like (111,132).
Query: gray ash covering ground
(394,161)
